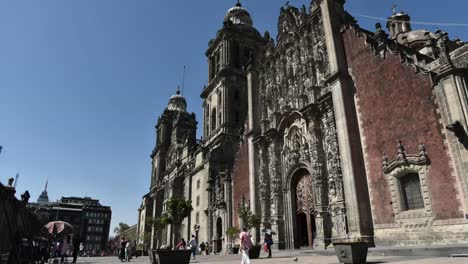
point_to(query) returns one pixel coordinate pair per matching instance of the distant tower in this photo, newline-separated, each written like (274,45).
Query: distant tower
(398,23)
(44,197)
(176,130)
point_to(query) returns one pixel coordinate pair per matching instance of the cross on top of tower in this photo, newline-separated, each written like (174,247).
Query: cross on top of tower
(394,8)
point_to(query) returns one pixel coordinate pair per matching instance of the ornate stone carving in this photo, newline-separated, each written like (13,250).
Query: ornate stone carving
(402,158)
(336,206)
(263,174)
(293,68)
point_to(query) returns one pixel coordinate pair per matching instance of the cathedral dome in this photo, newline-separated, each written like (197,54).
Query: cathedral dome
(177,103)
(238,15)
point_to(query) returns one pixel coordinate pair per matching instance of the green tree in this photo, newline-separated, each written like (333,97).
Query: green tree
(122,227)
(254,221)
(177,209)
(232,232)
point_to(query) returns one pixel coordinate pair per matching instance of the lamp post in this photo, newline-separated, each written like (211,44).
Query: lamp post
(197,228)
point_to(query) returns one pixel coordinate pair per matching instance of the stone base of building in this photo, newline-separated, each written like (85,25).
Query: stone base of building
(447,232)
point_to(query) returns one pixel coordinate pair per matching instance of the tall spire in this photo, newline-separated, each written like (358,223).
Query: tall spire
(44,197)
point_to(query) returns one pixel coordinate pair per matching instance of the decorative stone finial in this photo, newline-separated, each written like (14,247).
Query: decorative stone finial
(442,44)
(238,3)
(10,182)
(422,151)
(378,27)
(401,151)
(178,90)
(384,160)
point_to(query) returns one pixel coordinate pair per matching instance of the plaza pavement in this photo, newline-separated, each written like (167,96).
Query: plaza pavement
(302,259)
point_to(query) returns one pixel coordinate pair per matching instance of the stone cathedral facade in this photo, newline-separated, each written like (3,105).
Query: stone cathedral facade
(330,132)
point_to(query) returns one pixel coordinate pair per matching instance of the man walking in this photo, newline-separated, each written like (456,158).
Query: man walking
(76,247)
(246,244)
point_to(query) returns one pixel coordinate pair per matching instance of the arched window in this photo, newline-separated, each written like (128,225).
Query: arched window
(411,195)
(220,119)
(207,120)
(198,184)
(213,119)
(198,200)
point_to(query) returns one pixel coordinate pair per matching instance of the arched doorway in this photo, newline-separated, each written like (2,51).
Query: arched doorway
(304,207)
(219,235)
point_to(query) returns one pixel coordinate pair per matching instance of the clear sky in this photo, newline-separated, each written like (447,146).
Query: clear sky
(83,82)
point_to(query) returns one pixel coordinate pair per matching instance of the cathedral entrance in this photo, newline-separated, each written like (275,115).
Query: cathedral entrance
(304,205)
(219,235)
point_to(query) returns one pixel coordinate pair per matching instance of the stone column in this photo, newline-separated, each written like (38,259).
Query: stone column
(357,203)
(252,86)
(319,183)
(264,188)
(452,96)
(153,232)
(276,205)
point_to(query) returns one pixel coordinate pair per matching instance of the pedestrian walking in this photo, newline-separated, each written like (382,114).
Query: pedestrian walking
(128,251)
(123,244)
(193,245)
(64,250)
(268,241)
(76,247)
(202,248)
(82,253)
(134,249)
(246,244)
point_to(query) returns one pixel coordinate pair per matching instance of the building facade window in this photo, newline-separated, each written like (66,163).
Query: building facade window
(213,120)
(411,196)
(198,184)
(197,218)
(198,200)
(407,176)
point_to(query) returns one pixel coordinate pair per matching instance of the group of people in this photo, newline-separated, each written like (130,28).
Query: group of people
(126,249)
(69,245)
(246,244)
(192,245)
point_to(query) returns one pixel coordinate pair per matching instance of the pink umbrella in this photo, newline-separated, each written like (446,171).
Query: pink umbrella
(59,227)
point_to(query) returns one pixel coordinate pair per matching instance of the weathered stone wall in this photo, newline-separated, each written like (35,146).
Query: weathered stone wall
(432,235)
(240,179)
(394,104)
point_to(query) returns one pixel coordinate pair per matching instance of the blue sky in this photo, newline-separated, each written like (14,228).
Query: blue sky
(83,82)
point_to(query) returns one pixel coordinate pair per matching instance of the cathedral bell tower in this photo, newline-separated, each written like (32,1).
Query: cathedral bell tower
(236,44)
(225,96)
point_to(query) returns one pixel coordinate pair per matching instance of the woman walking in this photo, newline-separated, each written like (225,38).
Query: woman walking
(246,244)
(193,245)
